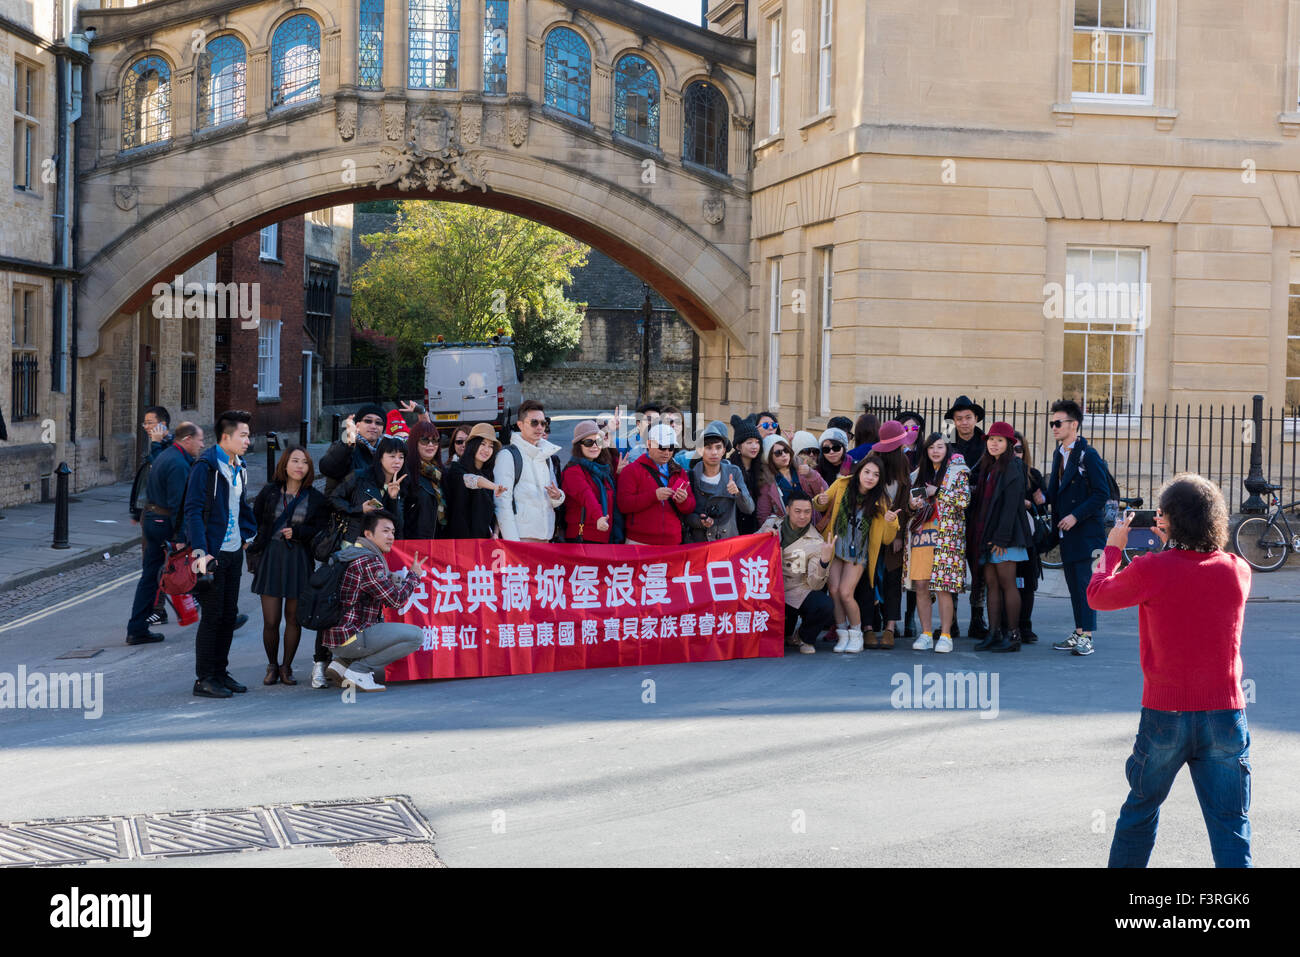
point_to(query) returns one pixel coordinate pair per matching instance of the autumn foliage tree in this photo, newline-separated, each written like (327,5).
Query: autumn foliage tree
(464,272)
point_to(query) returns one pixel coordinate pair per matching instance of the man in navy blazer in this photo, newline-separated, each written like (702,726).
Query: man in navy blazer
(219,525)
(1077,492)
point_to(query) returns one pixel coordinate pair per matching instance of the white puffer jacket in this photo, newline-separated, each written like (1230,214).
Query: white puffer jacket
(525,510)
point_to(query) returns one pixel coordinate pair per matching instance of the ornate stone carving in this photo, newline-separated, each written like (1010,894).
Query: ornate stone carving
(714,209)
(517,122)
(345,112)
(471,123)
(394,120)
(449,168)
(370,121)
(430,129)
(126,197)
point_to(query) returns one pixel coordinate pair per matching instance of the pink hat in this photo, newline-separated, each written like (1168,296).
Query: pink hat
(1000,429)
(892,436)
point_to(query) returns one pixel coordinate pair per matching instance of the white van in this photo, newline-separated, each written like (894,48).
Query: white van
(468,382)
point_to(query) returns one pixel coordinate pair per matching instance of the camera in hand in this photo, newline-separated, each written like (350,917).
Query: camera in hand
(918,491)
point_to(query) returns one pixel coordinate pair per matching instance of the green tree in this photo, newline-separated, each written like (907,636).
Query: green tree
(464,272)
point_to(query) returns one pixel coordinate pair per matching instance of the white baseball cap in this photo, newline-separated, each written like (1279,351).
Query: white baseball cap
(664,436)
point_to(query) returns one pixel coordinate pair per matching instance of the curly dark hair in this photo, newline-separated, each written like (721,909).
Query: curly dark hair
(1196,512)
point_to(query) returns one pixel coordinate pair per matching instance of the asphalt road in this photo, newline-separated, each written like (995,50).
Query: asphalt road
(795,761)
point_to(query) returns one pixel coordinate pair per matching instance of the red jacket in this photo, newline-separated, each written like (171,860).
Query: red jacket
(645,518)
(582,505)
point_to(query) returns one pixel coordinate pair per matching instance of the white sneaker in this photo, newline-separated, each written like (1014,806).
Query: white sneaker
(943,645)
(362,680)
(318,679)
(336,673)
(924,643)
(843,635)
(855,642)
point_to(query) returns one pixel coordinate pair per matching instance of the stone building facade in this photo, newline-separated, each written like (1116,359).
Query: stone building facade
(934,185)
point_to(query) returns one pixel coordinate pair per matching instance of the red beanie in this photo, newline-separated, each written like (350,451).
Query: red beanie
(397,425)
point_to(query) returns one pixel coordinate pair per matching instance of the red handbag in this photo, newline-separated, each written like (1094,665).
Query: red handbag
(178,576)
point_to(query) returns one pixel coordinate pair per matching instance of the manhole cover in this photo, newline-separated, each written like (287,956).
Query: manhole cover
(151,836)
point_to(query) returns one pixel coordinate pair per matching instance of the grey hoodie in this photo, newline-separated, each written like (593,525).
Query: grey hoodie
(714,501)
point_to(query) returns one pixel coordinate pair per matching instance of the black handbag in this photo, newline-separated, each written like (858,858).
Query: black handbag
(329,539)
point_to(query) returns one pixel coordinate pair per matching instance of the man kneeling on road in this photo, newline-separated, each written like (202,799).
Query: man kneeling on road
(362,641)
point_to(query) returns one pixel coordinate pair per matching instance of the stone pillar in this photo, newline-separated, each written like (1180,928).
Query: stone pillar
(742,128)
(395,18)
(670,124)
(534,72)
(350,20)
(471,46)
(330,77)
(259,84)
(600,97)
(182,106)
(517,48)
(169,360)
(110,123)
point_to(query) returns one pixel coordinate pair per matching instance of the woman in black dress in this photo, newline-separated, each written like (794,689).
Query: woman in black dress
(469,489)
(382,484)
(289,513)
(422,488)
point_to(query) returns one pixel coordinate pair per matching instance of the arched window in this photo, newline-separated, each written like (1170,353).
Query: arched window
(636,100)
(568,73)
(295,61)
(222,81)
(146,103)
(370,45)
(433,41)
(705,127)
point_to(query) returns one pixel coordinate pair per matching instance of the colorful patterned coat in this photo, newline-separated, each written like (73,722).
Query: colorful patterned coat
(949,573)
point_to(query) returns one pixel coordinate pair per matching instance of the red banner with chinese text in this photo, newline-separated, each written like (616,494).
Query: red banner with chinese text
(490,607)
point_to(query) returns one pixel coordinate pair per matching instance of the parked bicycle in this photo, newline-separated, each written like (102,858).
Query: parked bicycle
(1267,541)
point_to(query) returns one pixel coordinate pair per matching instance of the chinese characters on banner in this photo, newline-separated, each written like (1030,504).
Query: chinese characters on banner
(505,608)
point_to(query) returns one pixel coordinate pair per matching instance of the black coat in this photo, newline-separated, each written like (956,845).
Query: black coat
(1007,522)
(350,496)
(341,460)
(471,513)
(422,497)
(315,517)
(1080,492)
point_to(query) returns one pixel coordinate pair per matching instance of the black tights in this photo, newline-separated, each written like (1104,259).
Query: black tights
(1003,595)
(271,607)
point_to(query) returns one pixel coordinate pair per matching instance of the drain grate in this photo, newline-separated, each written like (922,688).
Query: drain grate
(172,834)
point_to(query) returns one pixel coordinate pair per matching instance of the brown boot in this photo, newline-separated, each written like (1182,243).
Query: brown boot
(869,639)
(887,638)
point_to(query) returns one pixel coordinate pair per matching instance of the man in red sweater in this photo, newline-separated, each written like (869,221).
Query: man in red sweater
(1191,602)
(654,492)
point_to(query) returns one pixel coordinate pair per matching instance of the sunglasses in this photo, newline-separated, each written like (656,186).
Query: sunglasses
(769,427)
(1019,450)
(1056,423)
(807,451)
(589,443)
(832,447)
(539,423)
(780,451)
(371,420)
(428,441)
(461,441)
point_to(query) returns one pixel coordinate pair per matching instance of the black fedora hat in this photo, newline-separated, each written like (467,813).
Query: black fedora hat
(964,402)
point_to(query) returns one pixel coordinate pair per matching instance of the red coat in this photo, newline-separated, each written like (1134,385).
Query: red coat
(645,518)
(580,496)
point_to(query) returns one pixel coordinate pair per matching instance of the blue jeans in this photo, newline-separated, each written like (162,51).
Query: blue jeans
(1077,576)
(1215,746)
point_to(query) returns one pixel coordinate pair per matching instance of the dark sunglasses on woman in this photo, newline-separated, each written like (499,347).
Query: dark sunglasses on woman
(589,443)
(832,447)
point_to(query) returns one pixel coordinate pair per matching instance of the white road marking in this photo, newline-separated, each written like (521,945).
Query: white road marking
(70,603)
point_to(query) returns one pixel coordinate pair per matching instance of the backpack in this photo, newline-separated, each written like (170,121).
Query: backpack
(518,457)
(318,605)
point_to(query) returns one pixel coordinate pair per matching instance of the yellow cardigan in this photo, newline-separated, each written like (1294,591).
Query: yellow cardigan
(880,534)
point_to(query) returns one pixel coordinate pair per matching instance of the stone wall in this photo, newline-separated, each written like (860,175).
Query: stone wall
(603,386)
(21,470)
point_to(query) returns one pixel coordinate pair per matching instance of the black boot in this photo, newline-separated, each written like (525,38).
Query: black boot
(1010,642)
(991,638)
(977,627)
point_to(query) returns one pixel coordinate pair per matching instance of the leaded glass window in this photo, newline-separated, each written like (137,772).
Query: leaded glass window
(636,100)
(370,45)
(705,128)
(496,25)
(434,44)
(568,73)
(223,84)
(146,103)
(295,61)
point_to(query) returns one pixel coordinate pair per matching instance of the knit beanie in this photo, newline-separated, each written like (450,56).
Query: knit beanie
(743,429)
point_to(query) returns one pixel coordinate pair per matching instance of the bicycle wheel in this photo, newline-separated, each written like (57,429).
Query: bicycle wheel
(1052,559)
(1261,543)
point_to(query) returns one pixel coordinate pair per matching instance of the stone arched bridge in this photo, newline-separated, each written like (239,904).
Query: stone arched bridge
(622,126)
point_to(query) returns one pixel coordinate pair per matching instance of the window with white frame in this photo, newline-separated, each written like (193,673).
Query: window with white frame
(1114,48)
(1293,340)
(269,242)
(824,301)
(27,87)
(1105,310)
(824,57)
(774,335)
(774,75)
(268,359)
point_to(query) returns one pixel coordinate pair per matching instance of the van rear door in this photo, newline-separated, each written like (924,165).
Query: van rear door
(462,385)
